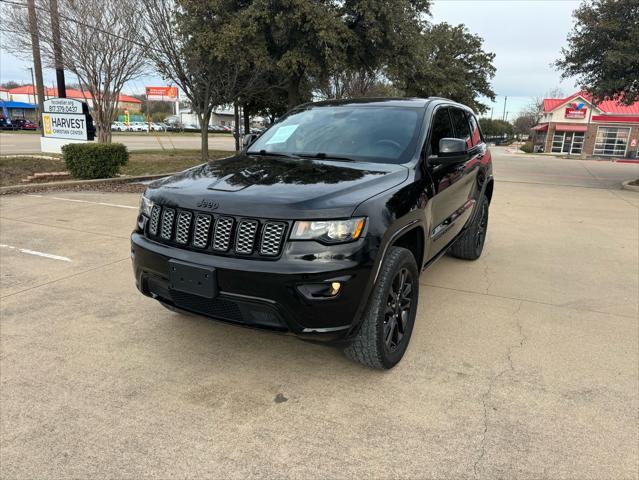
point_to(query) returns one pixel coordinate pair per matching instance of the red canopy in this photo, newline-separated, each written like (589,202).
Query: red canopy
(540,128)
(571,128)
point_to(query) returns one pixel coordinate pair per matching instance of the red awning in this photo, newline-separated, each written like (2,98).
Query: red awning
(540,128)
(571,128)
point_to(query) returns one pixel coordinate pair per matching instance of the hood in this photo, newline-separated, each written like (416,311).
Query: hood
(276,187)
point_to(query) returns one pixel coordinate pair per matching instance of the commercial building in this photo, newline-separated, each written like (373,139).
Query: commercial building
(575,126)
(26,94)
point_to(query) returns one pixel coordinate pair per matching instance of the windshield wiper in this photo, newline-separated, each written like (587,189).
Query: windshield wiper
(325,156)
(273,154)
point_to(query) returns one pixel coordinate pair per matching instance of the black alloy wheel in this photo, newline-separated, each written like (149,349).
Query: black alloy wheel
(387,323)
(398,306)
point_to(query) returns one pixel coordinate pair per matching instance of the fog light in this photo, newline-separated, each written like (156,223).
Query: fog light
(335,286)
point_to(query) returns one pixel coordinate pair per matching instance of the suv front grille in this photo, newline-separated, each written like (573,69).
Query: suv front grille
(272,238)
(245,238)
(168,215)
(222,235)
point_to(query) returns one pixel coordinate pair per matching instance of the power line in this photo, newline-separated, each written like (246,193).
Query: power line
(84,24)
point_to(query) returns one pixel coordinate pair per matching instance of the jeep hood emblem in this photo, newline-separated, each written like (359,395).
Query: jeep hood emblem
(208,204)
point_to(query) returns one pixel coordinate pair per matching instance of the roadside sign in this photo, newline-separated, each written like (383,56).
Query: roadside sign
(66,118)
(161,94)
(65,105)
(65,125)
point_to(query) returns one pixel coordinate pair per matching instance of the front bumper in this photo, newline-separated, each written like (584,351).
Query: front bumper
(264,293)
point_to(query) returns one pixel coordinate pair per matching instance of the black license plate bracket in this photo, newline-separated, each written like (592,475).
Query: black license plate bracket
(194,279)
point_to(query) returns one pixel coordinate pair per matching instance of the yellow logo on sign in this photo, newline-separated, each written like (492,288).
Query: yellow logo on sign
(46,120)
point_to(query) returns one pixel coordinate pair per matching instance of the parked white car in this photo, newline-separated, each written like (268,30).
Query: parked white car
(139,127)
(118,127)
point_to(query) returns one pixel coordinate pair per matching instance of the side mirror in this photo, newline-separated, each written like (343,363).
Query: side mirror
(248,139)
(452,148)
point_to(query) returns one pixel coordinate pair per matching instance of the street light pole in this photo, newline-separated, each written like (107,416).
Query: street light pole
(33,85)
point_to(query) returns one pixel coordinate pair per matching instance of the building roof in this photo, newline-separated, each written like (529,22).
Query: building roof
(606,107)
(71,93)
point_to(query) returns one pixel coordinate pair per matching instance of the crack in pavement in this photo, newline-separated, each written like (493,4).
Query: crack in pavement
(493,381)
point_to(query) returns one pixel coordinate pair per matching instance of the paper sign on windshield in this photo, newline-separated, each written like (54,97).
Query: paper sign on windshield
(282,134)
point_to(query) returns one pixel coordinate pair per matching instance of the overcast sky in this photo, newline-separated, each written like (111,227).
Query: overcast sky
(525,35)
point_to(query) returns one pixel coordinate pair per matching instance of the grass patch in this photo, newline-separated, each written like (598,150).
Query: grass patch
(151,162)
(141,162)
(13,170)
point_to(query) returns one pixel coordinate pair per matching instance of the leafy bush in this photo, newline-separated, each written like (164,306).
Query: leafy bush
(94,160)
(527,147)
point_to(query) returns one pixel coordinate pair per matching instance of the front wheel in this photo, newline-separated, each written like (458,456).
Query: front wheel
(390,314)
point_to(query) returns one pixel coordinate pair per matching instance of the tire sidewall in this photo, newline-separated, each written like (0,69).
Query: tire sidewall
(399,258)
(483,205)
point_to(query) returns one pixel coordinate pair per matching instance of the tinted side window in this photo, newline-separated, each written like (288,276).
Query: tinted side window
(462,129)
(474,130)
(442,128)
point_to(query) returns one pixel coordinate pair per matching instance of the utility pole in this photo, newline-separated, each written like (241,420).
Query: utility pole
(57,48)
(37,62)
(491,112)
(504,115)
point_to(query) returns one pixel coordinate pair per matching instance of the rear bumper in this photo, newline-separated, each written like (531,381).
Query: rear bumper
(267,294)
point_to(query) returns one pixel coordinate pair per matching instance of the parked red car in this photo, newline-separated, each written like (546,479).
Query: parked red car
(24,124)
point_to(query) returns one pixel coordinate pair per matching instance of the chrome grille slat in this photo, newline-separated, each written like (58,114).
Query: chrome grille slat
(222,236)
(201,231)
(245,236)
(166,231)
(154,221)
(183,227)
(272,234)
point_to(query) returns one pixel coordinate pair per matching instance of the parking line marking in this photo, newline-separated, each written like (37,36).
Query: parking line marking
(82,201)
(34,252)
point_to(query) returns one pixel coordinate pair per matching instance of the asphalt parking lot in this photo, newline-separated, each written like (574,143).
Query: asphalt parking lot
(522,364)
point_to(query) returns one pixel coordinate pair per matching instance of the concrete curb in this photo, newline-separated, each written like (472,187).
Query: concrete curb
(626,186)
(76,183)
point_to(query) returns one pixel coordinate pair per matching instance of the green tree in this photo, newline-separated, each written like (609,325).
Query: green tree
(446,61)
(495,128)
(603,49)
(302,39)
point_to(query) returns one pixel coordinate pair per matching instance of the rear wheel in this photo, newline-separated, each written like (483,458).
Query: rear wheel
(390,314)
(470,245)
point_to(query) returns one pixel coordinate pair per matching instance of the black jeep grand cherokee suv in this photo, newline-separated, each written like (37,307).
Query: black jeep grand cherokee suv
(323,224)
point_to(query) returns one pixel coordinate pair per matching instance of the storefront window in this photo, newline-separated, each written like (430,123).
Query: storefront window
(611,141)
(568,142)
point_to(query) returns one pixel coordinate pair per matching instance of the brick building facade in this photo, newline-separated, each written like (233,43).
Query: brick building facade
(575,126)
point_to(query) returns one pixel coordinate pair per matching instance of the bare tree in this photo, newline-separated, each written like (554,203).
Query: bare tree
(356,83)
(101,45)
(177,57)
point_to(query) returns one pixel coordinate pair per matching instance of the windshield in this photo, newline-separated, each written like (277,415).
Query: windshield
(346,132)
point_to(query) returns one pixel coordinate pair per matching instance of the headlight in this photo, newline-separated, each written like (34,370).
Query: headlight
(146,206)
(329,231)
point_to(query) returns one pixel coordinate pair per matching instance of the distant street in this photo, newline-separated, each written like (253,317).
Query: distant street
(17,143)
